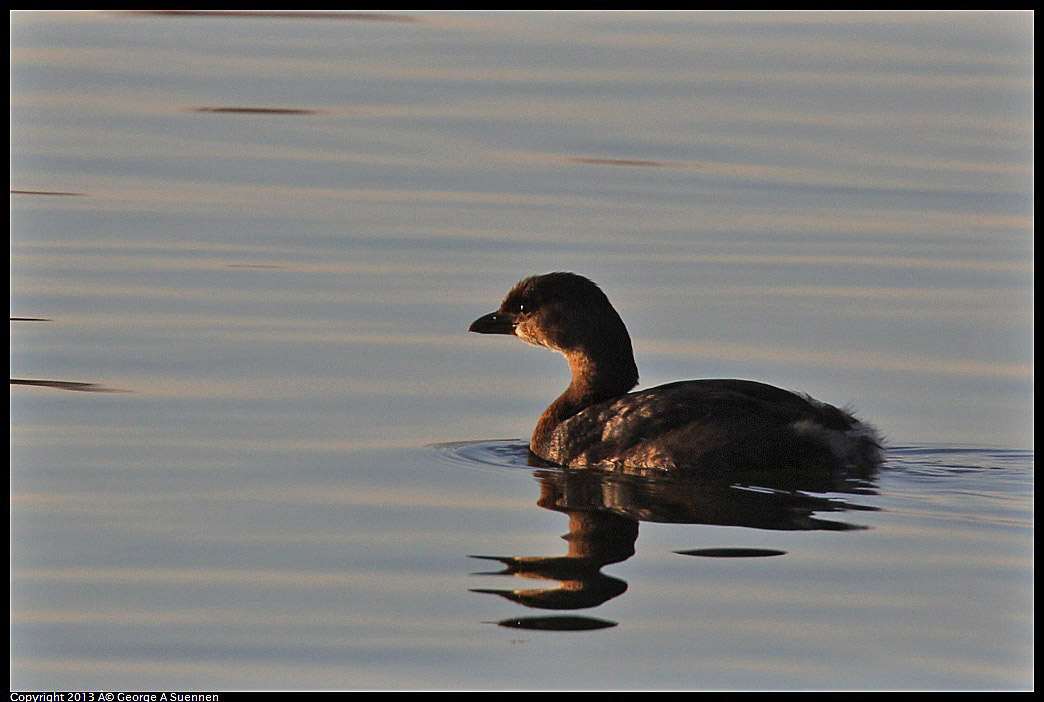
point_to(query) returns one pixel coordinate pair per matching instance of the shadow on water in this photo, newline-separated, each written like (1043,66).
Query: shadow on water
(605,510)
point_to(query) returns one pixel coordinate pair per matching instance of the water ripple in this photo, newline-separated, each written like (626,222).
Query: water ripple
(499,453)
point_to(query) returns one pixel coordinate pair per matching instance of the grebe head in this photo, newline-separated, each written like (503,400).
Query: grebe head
(564,312)
(568,313)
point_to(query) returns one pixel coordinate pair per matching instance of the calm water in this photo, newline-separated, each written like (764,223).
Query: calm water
(253,446)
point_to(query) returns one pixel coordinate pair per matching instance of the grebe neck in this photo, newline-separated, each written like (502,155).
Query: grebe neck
(596,377)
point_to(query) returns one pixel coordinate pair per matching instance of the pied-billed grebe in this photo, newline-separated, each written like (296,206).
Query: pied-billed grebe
(699,425)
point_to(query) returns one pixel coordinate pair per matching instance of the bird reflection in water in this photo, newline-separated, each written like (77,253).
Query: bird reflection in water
(605,509)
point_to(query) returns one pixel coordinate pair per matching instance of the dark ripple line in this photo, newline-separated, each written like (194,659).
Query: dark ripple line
(255,110)
(280,14)
(725,552)
(46,192)
(64,385)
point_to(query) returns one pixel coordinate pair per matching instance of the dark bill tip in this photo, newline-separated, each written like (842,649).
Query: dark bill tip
(493,323)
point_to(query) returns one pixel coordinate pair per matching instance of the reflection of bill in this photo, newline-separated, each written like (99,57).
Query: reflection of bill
(596,539)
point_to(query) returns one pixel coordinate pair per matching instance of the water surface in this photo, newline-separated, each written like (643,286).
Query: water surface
(253,445)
